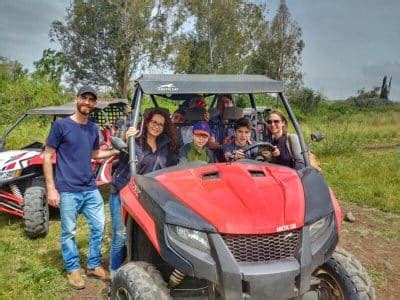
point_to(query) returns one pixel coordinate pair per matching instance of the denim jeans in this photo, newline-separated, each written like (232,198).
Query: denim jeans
(91,205)
(117,254)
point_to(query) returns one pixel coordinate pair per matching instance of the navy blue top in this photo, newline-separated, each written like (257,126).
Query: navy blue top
(74,144)
(284,158)
(148,161)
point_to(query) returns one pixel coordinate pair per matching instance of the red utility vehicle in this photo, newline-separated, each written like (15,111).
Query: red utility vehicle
(242,230)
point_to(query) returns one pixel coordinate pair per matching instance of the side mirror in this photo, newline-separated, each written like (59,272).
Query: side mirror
(118,144)
(317,136)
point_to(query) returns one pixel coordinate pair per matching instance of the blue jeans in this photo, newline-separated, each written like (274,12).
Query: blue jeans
(117,254)
(91,205)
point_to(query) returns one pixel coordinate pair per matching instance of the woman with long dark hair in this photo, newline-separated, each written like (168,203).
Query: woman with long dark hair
(156,148)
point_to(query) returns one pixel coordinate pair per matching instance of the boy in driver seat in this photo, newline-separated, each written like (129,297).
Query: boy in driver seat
(236,149)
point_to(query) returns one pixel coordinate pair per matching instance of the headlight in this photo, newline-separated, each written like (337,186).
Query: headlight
(6,175)
(320,230)
(194,238)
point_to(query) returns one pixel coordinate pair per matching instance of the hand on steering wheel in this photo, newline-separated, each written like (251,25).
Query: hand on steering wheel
(265,149)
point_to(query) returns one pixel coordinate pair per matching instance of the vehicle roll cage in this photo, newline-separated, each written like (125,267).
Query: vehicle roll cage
(139,93)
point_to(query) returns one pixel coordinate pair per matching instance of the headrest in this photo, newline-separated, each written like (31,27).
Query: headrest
(232,113)
(194,114)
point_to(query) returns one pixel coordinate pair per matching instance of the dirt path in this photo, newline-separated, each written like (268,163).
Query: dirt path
(374,238)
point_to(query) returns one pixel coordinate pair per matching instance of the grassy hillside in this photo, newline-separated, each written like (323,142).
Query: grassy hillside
(360,154)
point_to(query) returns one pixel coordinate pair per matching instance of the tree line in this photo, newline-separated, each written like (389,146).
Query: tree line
(110,42)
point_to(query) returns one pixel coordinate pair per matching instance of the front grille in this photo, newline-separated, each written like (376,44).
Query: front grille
(262,248)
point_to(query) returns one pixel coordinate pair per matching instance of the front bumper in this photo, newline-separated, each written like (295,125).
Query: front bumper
(276,279)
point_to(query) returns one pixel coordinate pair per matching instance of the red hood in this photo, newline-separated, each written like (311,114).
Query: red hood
(238,202)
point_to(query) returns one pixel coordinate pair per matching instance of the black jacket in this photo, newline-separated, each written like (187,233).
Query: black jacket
(147,161)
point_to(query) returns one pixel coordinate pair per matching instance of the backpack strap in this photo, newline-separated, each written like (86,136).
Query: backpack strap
(289,146)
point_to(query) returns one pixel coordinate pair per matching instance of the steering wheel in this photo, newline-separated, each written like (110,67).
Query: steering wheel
(262,147)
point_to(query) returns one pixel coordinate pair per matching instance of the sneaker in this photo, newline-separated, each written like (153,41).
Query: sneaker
(75,280)
(98,273)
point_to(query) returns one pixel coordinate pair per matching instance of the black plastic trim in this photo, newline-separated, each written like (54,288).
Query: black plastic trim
(230,278)
(203,264)
(164,208)
(18,179)
(317,196)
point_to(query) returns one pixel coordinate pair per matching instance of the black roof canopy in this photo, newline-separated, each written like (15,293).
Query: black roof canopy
(70,107)
(208,84)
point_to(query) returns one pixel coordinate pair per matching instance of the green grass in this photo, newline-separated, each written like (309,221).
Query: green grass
(366,177)
(358,175)
(34,269)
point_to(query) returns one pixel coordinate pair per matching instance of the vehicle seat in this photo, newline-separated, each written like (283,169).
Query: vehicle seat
(184,134)
(192,115)
(232,114)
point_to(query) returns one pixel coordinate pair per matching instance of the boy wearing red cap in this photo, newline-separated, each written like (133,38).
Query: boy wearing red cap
(197,150)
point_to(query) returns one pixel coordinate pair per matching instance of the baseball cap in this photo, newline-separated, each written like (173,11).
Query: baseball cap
(87,89)
(201,127)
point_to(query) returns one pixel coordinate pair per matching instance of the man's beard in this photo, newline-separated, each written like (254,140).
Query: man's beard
(84,109)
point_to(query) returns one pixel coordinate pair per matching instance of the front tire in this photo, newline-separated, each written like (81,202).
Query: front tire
(139,280)
(343,277)
(36,212)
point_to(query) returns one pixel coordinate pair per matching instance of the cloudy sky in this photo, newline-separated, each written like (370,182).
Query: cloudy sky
(350,44)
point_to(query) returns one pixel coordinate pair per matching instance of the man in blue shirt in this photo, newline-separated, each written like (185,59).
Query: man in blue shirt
(75,141)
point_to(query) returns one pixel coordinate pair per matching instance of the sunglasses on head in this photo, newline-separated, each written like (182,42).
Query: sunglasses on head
(269,122)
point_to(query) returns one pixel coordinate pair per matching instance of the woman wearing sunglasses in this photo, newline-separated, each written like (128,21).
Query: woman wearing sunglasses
(156,148)
(287,151)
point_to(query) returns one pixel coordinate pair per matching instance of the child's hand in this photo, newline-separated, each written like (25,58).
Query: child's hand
(239,154)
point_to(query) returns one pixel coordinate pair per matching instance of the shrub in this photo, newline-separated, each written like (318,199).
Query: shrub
(367,102)
(306,99)
(19,91)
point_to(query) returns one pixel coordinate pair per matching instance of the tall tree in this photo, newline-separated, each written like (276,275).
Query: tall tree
(51,66)
(20,90)
(222,38)
(279,49)
(106,42)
